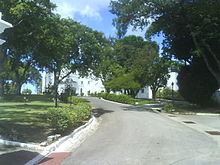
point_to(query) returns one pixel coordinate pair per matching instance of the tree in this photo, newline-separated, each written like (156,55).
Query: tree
(196,84)
(27,17)
(158,74)
(190,28)
(67,47)
(134,64)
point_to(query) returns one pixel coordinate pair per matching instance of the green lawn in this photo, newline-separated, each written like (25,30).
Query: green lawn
(144,101)
(183,107)
(24,121)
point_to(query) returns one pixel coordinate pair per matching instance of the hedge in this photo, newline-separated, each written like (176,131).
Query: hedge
(68,117)
(122,98)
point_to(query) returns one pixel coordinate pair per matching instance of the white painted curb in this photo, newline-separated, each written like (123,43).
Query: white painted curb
(73,140)
(24,145)
(115,102)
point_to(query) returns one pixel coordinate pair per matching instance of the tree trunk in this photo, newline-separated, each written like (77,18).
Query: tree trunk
(55,89)
(154,94)
(1,87)
(208,65)
(18,88)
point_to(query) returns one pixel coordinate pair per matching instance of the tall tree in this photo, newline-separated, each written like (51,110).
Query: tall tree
(67,47)
(27,17)
(134,64)
(190,28)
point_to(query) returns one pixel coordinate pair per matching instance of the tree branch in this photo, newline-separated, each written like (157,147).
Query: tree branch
(64,76)
(206,59)
(213,54)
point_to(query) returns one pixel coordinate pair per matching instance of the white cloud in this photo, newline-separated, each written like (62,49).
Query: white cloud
(85,8)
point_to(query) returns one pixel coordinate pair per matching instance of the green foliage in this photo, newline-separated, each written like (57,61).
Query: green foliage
(135,63)
(168,107)
(75,100)
(64,118)
(196,84)
(27,91)
(118,98)
(143,101)
(166,93)
(191,31)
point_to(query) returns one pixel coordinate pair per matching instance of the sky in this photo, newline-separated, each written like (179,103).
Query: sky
(94,14)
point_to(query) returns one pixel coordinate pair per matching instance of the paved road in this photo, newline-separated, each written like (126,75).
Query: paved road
(130,135)
(10,155)
(211,121)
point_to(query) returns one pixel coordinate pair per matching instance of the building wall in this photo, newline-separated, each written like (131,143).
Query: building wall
(145,93)
(86,85)
(173,78)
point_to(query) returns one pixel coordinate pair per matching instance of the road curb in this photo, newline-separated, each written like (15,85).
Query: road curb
(115,102)
(197,114)
(19,144)
(75,138)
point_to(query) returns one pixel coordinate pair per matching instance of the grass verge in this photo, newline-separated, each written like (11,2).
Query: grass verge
(26,120)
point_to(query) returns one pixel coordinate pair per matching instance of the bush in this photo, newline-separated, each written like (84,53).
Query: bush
(75,100)
(26,91)
(64,118)
(196,83)
(166,93)
(118,98)
(168,107)
(63,97)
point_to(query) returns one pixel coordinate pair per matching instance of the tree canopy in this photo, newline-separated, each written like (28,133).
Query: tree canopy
(134,64)
(41,40)
(190,28)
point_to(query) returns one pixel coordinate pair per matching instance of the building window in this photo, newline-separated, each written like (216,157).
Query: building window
(142,90)
(81,82)
(88,82)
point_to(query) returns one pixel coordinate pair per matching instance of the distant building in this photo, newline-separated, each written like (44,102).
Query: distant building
(80,85)
(91,84)
(144,93)
(173,79)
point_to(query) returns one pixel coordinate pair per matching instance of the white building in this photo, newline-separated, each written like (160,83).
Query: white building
(173,79)
(145,92)
(81,85)
(91,84)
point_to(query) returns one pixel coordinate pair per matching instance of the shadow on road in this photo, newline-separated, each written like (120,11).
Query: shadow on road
(141,108)
(17,157)
(99,112)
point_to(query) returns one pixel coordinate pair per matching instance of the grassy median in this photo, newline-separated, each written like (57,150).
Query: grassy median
(27,118)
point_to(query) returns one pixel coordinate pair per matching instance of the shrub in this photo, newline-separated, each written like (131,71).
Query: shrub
(196,84)
(64,118)
(63,97)
(26,91)
(166,93)
(168,107)
(75,100)
(118,98)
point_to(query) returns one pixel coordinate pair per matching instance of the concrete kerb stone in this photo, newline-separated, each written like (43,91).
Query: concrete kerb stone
(76,138)
(127,104)
(19,144)
(156,110)
(114,102)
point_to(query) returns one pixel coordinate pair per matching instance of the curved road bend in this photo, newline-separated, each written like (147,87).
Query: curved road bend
(130,135)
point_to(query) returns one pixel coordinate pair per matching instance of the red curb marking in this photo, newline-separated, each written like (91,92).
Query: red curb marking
(55,158)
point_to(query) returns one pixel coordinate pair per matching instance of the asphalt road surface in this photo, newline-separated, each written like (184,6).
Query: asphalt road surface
(132,135)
